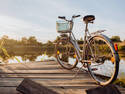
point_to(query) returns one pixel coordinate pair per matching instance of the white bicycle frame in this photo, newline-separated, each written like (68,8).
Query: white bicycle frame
(73,40)
(76,46)
(88,40)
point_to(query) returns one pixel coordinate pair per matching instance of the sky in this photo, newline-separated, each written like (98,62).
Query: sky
(25,18)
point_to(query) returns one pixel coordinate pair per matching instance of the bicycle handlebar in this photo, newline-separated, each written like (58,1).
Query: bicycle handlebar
(61,17)
(75,16)
(64,18)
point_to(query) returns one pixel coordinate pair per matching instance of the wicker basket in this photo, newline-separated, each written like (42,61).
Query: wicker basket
(63,27)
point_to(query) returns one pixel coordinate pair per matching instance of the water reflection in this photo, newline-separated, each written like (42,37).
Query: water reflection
(13,58)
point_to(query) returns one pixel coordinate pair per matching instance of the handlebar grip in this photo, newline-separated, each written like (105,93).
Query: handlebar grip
(74,16)
(61,17)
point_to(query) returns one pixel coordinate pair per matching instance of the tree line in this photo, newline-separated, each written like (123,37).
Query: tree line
(31,45)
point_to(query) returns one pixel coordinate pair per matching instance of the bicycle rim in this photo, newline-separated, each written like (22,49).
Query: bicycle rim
(104,64)
(66,54)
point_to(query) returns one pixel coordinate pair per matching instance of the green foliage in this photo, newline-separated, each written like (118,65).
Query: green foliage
(17,47)
(57,38)
(122,48)
(115,39)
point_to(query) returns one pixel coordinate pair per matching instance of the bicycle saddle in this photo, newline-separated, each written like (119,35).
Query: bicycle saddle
(88,18)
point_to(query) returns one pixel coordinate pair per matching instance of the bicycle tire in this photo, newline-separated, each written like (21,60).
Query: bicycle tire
(65,57)
(110,57)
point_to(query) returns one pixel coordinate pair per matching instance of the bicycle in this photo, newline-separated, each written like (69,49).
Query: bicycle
(97,51)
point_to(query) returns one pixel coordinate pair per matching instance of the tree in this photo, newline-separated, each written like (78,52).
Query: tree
(57,39)
(49,43)
(115,39)
(5,37)
(32,40)
(24,40)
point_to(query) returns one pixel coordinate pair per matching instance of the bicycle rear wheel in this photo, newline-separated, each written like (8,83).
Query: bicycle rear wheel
(66,54)
(104,65)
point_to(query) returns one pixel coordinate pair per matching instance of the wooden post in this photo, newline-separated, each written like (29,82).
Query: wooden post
(28,86)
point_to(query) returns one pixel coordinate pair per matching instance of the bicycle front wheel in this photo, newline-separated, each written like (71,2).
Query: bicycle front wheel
(104,65)
(66,54)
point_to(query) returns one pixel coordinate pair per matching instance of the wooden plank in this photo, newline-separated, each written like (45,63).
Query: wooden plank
(59,71)
(43,77)
(31,63)
(37,67)
(52,83)
(8,90)
(43,74)
(12,80)
(69,91)
(80,82)
(75,80)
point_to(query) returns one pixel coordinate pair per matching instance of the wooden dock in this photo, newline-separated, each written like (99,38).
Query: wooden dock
(47,73)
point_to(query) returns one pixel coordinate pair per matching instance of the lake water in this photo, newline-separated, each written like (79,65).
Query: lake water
(107,69)
(19,59)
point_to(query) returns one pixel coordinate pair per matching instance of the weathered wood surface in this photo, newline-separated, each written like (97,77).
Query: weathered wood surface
(47,73)
(108,89)
(28,86)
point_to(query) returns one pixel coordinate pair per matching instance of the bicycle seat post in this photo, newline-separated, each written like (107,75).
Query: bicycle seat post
(86,27)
